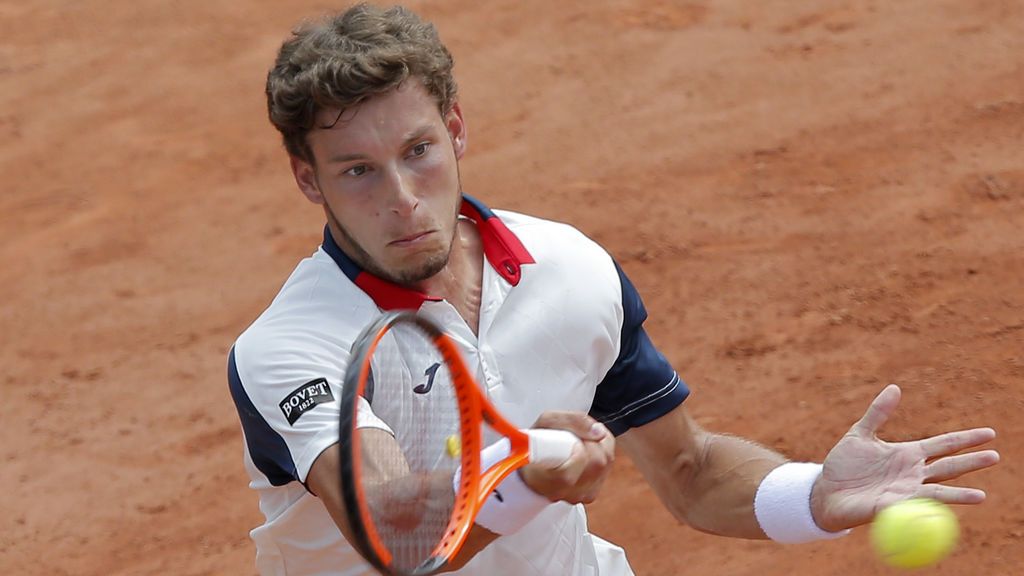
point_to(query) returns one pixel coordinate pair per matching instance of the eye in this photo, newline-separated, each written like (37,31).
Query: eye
(357,170)
(419,149)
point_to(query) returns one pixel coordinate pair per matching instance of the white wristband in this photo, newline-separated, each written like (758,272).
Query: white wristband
(512,504)
(782,504)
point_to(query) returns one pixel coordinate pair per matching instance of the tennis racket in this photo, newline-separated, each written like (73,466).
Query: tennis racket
(411,432)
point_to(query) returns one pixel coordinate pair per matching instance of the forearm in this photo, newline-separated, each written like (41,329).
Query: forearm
(718,497)
(323,483)
(705,480)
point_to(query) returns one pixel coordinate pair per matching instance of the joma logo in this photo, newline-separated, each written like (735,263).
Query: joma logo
(429,373)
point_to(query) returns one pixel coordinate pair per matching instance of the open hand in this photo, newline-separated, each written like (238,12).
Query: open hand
(863,474)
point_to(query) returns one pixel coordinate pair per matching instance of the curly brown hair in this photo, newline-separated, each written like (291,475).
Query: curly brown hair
(338,62)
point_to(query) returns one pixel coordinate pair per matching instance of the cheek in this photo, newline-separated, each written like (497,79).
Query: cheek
(353,209)
(352,197)
(439,166)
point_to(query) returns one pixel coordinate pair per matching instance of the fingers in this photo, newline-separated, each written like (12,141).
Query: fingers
(879,411)
(596,462)
(594,457)
(951,494)
(607,441)
(956,466)
(578,423)
(953,442)
(598,446)
(580,478)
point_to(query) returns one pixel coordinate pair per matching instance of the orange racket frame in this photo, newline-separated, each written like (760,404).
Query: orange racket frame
(475,485)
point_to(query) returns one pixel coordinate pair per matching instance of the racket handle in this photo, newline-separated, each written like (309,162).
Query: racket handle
(551,447)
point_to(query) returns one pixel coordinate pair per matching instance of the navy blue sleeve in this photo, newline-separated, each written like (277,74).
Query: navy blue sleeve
(641,386)
(267,448)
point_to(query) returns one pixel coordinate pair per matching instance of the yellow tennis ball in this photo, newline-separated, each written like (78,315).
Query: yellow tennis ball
(914,533)
(454,446)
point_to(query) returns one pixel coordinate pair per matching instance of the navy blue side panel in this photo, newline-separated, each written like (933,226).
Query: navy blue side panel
(641,386)
(266,447)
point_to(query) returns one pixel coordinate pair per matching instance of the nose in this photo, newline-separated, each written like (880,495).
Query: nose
(402,194)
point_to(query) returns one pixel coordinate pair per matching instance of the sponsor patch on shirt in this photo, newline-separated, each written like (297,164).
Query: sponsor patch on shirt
(305,398)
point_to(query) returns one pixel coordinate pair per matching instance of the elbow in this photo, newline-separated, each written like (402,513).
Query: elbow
(684,482)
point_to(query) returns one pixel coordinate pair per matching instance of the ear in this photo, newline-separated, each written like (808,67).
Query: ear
(456,129)
(305,177)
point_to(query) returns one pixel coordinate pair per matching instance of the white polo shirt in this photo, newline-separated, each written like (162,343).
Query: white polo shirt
(560,329)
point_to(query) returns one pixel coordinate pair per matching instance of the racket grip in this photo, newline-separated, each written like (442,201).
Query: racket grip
(551,447)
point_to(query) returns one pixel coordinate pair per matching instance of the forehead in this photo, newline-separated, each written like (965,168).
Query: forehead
(393,114)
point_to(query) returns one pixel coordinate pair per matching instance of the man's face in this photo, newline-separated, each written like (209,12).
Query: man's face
(387,175)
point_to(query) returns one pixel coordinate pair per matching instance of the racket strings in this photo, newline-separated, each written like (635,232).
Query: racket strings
(408,478)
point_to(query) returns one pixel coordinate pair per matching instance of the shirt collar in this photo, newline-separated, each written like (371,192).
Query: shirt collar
(502,248)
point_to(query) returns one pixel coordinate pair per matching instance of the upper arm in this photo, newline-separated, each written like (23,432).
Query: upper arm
(324,482)
(382,460)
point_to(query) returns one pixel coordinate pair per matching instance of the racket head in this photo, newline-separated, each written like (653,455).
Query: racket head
(405,513)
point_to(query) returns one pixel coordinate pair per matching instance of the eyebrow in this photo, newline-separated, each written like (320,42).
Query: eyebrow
(408,140)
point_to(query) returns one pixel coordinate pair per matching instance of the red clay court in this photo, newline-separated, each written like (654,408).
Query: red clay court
(815,199)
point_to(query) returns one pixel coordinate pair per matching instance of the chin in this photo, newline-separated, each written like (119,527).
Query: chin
(427,267)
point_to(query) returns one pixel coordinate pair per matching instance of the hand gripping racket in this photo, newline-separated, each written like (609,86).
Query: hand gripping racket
(411,432)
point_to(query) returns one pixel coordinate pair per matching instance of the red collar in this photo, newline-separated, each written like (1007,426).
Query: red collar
(505,253)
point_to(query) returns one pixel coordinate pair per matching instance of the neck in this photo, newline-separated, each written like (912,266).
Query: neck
(459,282)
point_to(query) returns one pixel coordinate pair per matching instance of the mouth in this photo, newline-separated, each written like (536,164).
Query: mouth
(412,238)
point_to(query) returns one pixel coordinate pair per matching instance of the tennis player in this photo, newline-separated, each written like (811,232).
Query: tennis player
(369,113)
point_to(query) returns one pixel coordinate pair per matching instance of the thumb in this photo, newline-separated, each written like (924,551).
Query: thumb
(878,413)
